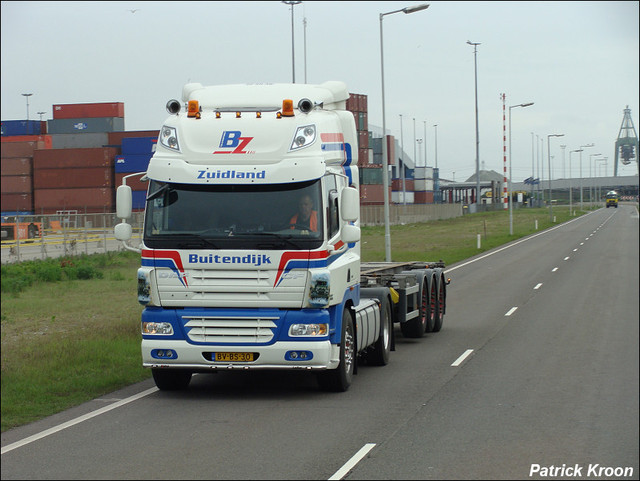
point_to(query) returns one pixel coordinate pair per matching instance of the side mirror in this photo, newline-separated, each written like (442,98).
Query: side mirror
(123,232)
(350,234)
(350,204)
(124,202)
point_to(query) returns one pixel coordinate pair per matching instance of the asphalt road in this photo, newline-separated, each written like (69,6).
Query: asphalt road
(536,369)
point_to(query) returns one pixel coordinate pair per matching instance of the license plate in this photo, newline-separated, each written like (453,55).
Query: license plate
(234,356)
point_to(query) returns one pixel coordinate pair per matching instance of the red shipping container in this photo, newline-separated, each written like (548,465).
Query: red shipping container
(23,148)
(372,194)
(115,138)
(423,197)
(17,202)
(16,184)
(91,110)
(72,158)
(73,178)
(16,165)
(134,182)
(396,185)
(363,140)
(48,201)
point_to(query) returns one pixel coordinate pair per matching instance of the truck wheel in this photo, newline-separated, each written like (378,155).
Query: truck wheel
(417,326)
(339,379)
(432,297)
(439,307)
(170,379)
(379,356)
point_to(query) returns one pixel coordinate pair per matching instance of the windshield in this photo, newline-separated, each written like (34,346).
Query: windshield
(284,216)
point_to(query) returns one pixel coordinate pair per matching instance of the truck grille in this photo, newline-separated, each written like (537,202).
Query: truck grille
(223,329)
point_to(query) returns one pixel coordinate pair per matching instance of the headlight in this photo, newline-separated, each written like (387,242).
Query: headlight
(157,328)
(169,138)
(304,137)
(309,330)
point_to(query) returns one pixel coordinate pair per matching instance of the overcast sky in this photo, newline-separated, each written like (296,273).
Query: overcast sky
(577,61)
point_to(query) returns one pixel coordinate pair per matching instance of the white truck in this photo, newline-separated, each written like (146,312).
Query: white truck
(251,242)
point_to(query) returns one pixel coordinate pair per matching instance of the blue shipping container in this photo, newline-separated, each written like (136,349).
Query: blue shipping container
(21,127)
(138,199)
(131,163)
(139,145)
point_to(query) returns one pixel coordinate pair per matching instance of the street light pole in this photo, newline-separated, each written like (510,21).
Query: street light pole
(385,160)
(293,57)
(570,190)
(591,176)
(549,158)
(510,175)
(582,147)
(404,185)
(475,63)
(435,126)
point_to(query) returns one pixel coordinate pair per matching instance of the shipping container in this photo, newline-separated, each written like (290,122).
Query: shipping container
(85,125)
(139,198)
(370,175)
(139,145)
(421,185)
(372,194)
(365,157)
(79,141)
(115,138)
(423,197)
(363,140)
(399,198)
(89,200)
(396,185)
(362,123)
(132,163)
(73,178)
(10,147)
(89,110)
(22,127)
(70,158)
(134,182)
(16,184)
(16,166)
(17,202)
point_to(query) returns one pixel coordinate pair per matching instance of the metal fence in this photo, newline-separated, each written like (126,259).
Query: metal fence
(33,237)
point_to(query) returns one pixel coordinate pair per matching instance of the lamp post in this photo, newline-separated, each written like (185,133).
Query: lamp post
(41,114)
(424,139)
(582,147)
(26,96)
(435,126)
(591,156)
(419,142)
(570,191)
(475,64)
(385,161)
(293,57)
(404,185)
(549,158)
(604,159)
(510,162)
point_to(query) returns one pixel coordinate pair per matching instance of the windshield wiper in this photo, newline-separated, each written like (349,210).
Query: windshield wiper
(185,241)
(279,237)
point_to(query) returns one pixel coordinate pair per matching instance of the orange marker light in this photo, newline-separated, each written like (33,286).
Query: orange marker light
(287,108)
(217,115)
(193,109)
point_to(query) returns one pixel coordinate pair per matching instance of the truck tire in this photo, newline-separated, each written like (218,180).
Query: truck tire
(417,326)
(339,379)
(171,379)
(440,305)
(379,356)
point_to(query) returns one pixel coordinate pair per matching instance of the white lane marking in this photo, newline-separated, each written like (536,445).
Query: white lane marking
(75,421)
(538,286)
(340,473)
(511,311)
(574,250)
(566,258)
(516,243)
(464,355)
(554,269)
(581,243)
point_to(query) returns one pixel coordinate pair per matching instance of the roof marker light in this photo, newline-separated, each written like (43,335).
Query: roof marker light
(258,115)
(238,115)
(218,115)
(287,108)
(193,109)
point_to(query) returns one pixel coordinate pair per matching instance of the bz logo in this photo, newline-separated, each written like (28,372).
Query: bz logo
(231,139)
